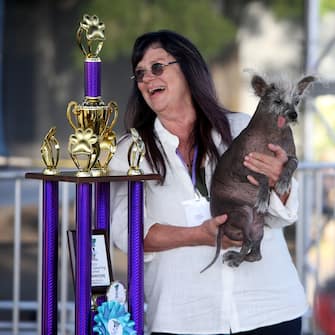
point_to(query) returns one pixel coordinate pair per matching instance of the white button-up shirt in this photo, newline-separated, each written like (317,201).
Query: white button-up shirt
(179,298)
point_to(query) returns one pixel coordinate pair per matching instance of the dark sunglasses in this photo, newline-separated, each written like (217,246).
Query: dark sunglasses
(156,69)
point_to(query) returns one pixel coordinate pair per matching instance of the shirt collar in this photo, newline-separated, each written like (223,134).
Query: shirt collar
(168,138)
(164,135)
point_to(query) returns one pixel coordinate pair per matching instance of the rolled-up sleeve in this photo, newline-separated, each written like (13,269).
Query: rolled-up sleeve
(281,215)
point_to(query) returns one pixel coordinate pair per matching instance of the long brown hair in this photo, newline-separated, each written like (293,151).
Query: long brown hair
(210,114)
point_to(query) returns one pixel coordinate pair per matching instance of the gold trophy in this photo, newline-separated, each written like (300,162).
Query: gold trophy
(136,153)
(93,143)
(50,152)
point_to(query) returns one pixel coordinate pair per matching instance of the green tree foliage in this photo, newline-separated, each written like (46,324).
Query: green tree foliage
(294,9)
(211,24)
(327,6)
(288,9)
(199,20)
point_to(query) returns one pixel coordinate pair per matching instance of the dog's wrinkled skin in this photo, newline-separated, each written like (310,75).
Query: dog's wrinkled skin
(231,193)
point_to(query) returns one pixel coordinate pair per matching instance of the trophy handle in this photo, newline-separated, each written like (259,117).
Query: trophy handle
(72,105)
(112,107)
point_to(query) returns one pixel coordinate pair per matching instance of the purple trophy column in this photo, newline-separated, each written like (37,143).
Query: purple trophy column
(83,260)
(135,254)
(50,258)
(92,77)
(102,216)
(102,206)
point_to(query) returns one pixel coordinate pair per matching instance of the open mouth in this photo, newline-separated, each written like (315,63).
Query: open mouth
(156,90)
(289,118)
(281,121)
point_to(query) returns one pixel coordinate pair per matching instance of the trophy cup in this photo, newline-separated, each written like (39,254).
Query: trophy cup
(93,143)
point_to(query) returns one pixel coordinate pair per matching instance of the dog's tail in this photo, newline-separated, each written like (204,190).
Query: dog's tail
(218,248)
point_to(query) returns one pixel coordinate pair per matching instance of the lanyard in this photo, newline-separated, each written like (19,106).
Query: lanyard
(195,155)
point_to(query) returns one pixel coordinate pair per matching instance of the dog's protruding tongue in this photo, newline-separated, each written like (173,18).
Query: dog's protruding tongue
(281,121)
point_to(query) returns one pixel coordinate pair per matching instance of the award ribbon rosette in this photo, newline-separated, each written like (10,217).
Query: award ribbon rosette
(113,319)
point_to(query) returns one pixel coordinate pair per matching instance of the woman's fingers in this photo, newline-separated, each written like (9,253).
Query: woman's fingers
(226,242)
(269,165)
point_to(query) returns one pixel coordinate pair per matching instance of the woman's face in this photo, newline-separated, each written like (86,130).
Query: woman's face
(166,93)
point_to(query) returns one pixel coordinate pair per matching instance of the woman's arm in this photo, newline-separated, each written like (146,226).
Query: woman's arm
(164,237)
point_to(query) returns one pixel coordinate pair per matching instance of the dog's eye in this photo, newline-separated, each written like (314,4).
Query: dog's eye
(278,101)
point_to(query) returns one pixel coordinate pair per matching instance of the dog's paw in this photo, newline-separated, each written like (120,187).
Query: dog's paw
(262,206)
(253,257)
(283,186)
(232,258)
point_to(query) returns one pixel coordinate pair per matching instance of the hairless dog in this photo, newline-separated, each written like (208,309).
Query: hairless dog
(231,193)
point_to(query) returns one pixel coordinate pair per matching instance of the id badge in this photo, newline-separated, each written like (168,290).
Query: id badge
(196,211)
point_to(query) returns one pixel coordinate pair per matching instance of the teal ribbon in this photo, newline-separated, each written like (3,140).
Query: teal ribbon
(113,310)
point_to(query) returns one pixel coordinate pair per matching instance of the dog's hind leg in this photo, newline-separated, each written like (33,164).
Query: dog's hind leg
(235,258)
(255,252)
(240,220)
(256,234)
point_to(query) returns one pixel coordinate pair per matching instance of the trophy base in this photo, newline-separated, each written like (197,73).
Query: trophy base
(50,171)
(83,174)
(134,172)
(99,172)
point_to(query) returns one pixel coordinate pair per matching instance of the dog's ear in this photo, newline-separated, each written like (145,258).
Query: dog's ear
(259,85)
(304,83)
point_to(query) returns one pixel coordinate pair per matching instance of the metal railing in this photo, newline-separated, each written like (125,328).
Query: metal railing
(316,181)
(24,192)
(315,231)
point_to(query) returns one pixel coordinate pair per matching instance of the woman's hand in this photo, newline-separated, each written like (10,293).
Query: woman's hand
(210,229)
(271,166)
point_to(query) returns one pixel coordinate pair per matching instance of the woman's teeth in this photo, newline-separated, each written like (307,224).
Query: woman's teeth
(156,89)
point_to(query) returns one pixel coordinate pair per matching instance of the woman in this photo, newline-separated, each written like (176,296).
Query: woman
(174,108)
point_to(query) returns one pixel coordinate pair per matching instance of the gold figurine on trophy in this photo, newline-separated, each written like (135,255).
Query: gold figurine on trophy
(94,34)
(136,153)
(50,152)
(84,150)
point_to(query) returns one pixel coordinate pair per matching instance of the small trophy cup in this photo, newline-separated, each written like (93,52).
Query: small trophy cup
(93,143)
